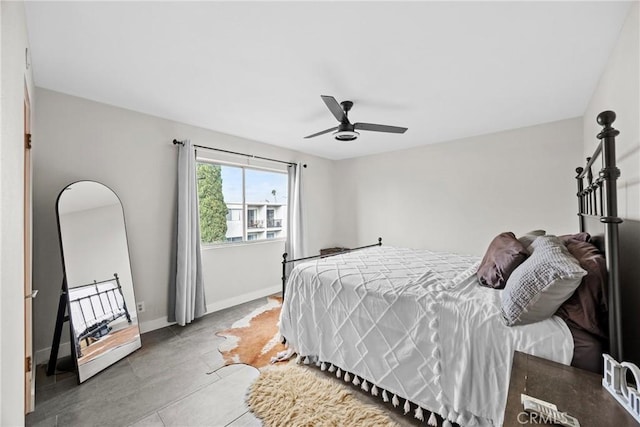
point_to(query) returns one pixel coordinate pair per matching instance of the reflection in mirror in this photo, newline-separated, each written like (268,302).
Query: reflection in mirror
(101,302)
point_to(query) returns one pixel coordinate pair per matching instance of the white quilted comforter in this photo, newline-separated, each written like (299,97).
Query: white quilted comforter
(416,324)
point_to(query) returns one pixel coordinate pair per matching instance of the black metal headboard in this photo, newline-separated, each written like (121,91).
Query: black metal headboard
(598,215)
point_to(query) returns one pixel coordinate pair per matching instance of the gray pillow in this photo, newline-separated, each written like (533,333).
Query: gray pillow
(528,238)
(539,286)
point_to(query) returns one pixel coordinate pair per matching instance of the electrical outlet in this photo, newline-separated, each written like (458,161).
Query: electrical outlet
(140,306)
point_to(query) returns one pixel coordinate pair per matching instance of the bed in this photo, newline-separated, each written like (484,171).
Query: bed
(93,307)
(415,328)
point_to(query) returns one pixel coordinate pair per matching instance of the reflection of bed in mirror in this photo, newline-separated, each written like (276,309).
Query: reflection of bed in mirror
(100,318)
(100,301)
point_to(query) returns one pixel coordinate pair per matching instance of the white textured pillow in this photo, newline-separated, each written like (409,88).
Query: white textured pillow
(539,286)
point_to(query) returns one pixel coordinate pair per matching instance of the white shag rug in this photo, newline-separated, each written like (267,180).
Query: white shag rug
(291,395)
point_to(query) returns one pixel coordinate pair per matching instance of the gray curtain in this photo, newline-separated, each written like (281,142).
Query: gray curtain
(294,245)
(189,301)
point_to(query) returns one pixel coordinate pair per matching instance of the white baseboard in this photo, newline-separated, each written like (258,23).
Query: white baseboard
(240,299)
(42,355)
(152,325)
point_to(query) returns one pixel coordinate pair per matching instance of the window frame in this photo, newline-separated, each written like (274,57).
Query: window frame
(244,211)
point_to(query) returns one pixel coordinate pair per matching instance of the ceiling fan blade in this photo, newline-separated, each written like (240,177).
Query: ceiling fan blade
(379,128)
(335,108)
(322,132)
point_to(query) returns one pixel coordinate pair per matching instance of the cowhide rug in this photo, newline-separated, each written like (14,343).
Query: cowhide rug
(254,339)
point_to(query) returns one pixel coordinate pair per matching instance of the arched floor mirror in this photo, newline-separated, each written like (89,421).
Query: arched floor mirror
(97,293)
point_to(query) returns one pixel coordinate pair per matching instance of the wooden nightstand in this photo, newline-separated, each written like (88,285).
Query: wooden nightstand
(331,251)
(572,390)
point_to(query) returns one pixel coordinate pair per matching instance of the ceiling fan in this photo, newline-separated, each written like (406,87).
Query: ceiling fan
(346,131)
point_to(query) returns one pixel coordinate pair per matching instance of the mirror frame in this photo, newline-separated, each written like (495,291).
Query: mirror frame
(73,341)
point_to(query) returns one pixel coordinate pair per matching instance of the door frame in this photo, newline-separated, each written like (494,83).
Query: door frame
(30,377)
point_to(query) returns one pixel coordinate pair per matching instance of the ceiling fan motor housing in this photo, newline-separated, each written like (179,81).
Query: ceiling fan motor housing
(346,106)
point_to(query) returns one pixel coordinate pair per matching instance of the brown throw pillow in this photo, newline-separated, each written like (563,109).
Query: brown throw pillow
(587,307)
(504,254)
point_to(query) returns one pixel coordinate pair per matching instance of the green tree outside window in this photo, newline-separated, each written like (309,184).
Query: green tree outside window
(212,208)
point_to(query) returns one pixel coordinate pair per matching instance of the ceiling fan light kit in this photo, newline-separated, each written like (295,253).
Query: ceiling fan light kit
(346,131)
(346,135)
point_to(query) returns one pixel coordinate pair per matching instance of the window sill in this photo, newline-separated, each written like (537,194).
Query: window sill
(210,246)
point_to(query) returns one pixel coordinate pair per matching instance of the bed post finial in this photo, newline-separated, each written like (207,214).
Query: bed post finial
(579,170)
(606,118)
(379,241)
(610,172)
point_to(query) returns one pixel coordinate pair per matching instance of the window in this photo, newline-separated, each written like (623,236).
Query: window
(234,215)
(252,218)
(239,203)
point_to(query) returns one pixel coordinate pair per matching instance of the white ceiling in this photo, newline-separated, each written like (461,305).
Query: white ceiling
(445,70)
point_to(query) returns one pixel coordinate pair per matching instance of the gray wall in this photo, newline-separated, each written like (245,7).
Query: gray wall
(132,154)
(619,90)
(458,195)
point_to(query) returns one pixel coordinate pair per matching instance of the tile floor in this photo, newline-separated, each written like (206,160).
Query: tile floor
(177,379)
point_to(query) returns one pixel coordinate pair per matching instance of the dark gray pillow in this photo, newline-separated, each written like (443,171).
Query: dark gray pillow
(539,286)
(504,254)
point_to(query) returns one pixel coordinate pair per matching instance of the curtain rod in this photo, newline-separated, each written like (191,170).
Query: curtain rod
(175,141)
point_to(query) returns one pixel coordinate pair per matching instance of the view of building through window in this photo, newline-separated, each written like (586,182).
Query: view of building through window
(241,204)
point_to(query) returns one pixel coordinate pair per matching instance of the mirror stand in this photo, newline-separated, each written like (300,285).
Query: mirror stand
(61,317)
(107,294)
